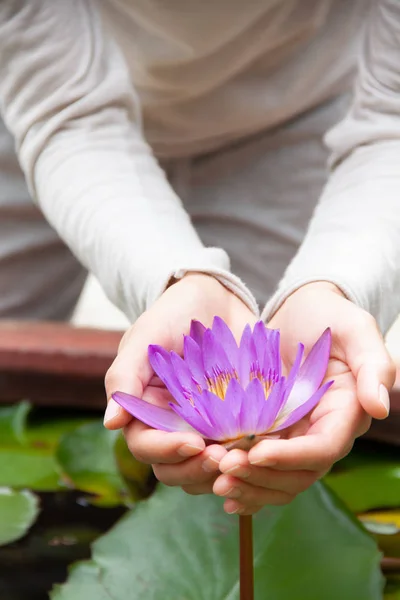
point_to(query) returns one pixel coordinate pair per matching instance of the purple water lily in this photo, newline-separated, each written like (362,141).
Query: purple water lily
(227,392)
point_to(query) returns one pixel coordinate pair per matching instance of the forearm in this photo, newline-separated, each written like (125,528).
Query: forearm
(354,237)
(66,96)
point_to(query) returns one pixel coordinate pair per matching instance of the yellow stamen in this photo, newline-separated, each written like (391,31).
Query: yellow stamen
(218,385)
(267,384)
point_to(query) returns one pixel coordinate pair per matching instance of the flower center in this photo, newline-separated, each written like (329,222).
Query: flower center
(267,380)
(218,382)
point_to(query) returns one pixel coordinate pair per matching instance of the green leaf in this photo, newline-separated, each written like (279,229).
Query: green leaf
(385,527)
(179,547)
(24,463)
(367,487)
(86,455)
(85,583)
(27,447)
(28,467)
(12,423)
(136,475)
(48,427)
(18,511)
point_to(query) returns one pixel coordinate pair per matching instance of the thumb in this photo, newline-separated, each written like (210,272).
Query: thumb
(371,364)
(130,373)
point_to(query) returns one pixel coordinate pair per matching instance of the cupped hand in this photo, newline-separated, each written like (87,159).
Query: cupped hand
(274,471)
(177,458)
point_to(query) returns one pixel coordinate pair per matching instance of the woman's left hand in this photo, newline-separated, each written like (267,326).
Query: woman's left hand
(274,471)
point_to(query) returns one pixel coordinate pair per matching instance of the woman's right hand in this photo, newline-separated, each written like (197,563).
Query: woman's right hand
(181,458)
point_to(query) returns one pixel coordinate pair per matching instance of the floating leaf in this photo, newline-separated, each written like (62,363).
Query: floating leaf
(13,422)
(46,428)
(24,465)
(137,475)
(367,487)
(386,523)
(27,447)
(86,455)
(85,584)
(385,527)
(18,511)
(175,546)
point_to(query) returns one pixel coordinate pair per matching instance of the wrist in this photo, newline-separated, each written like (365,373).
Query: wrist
(311,289)
(321,286)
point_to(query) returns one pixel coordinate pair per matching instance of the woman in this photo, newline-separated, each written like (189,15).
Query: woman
(152,135)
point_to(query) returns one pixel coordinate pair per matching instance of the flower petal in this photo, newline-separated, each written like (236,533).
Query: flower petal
(247,356)
(192,416)
(312,371)
(194,359)
(183,373)
(154,416)
(252,407)
(197,331)
(214,357)
(155,349)
(225,336)
(163,368)
(235,397)
(301,411)
(272,407)
(224,421)
(293,373)
(267,342)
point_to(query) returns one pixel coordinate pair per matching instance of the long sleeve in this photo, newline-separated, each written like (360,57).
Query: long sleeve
(354,237)
(66,95)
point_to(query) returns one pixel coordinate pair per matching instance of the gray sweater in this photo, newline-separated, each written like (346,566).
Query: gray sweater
(93,91)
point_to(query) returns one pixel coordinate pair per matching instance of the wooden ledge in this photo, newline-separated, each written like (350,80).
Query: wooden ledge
(56,348)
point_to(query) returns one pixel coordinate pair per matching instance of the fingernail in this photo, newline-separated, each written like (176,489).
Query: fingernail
(234,492)
(188,450)
(264,462)
(384,398)
(235,511)
(239,471)
(113,410)
(210,465)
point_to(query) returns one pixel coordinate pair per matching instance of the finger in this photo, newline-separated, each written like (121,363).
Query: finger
(115,416)
(371,364)
(197,470)
(200,488)
(249,495)
(310,452)
(291,482)
(232,507)
(152,446)
(329,440)
(130,372)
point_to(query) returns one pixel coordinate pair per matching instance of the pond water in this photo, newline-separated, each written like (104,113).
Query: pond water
(62,534)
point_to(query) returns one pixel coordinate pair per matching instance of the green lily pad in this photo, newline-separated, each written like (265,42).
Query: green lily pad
(385,527)
(85,583)
(136,475)
(18,511)
(27,447)
(368,487)
(12,423)
(86,455)
(24,464)
(175,546)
